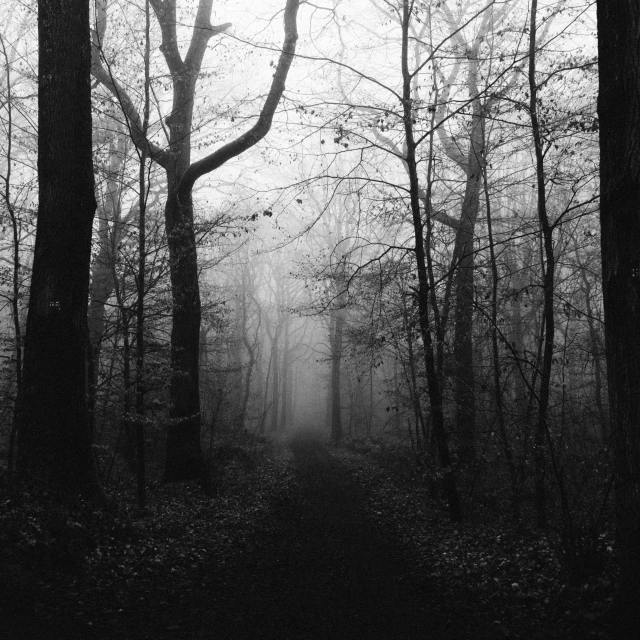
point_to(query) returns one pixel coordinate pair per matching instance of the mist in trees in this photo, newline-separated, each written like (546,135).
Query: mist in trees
(379,221)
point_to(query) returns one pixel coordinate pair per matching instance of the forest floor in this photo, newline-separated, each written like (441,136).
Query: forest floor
(300,540)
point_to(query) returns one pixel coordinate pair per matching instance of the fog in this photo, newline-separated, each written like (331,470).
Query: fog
(307,242)
(269,366)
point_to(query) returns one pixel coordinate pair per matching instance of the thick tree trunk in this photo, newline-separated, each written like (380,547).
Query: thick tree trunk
(54,440)
(463,261)
(619,114)
(184,459)
(184,456)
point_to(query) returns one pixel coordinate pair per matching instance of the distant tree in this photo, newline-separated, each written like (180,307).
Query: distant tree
(619,114)
(54,442)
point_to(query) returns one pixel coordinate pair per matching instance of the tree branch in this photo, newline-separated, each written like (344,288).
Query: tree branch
(202,32)
(448,144)
(262,126)
(165,11)
(133,121)
(106,79)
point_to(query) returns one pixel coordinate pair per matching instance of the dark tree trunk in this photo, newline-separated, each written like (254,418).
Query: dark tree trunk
(465,255)
(184,459)
(619,114)
(433,383)
(184,454)
(54,440)
(463,260)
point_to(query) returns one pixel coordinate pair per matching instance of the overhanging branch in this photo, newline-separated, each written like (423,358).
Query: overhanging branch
(262,126)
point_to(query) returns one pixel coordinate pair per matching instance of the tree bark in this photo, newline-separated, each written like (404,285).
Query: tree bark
(619,117)
(54,439)
(184,458)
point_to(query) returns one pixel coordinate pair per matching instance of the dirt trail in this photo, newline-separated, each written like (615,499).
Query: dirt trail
(306,545)
(323,569)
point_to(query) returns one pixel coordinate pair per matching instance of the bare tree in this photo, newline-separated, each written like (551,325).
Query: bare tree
(183,459)
(54,440)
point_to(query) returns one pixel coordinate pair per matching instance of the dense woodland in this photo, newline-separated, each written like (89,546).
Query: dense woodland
(409,227)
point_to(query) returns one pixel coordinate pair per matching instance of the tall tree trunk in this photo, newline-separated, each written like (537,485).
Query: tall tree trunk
(143,193)
(542,427)
(464,254)
(619,115)
(184,458)
(183,455)
(54,440)
(433,383)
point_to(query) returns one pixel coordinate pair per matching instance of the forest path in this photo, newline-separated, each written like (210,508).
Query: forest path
(299,541)
(324,568)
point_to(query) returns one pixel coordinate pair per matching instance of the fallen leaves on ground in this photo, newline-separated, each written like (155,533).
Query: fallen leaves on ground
(81,573)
